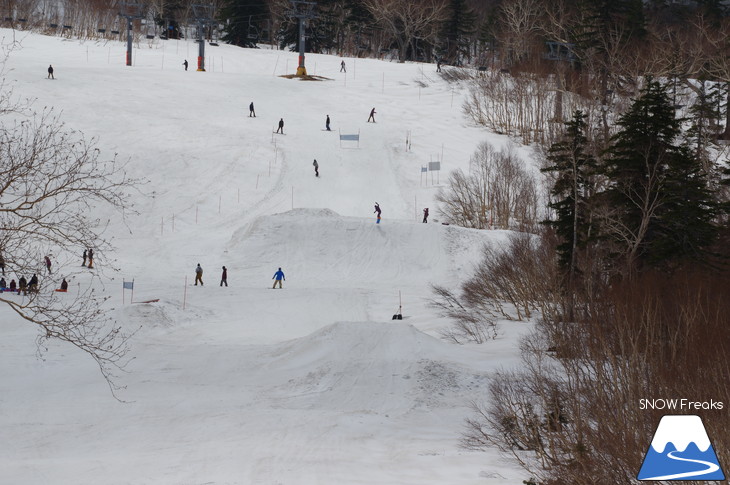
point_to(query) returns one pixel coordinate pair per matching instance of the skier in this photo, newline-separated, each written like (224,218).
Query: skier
(64,285)
(251,112)
(425,215)
(316,168)
(48,264)
(50,72)
(91,258)
(198,275)
(278,276)
(224,277)
(281,126)
(342,66)
(185,63)
(327,123)
(84,263)
(377,209)
(372,115)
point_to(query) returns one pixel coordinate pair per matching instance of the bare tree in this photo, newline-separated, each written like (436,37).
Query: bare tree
(52,182)
(408,22)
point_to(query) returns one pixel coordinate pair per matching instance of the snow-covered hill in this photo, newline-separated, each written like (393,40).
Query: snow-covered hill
(311,384)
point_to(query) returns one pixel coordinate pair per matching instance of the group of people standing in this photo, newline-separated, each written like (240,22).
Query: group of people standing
(278,276)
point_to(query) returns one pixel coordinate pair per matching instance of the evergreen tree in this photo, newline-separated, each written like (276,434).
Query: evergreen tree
(243,21)
(658,205)
(573,167)
(456,32)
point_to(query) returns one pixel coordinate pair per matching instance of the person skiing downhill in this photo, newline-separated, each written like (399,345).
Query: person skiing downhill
(198,275)
(377,209)
(278,276)
(281,126)
(372,115)
(342,66)
(316,168)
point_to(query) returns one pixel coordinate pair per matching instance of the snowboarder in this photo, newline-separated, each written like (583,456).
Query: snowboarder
(198,275)
(50,72)
(327,123)
(316,168)
(48,264)
(64,285)
(377,209)
(224,277)
(185,63)
(91,258)
(342,66)
(425,215)
(251,112)
(281,126)
(84,263)
(278,276)
(372,115)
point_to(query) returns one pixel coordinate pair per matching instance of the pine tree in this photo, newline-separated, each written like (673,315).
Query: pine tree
(573,167)
(659,209)
(243,21)
(456,32)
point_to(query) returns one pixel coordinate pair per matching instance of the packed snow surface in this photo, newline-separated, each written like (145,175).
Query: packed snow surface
(310,384)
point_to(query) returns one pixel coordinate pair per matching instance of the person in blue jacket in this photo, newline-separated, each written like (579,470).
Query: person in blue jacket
(278,276)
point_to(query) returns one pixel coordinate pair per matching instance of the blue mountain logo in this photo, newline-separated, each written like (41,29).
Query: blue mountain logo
(681,450)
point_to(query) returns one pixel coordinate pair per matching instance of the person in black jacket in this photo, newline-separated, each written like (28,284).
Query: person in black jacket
(316,168)
(251,111)
(224,277)
(50,72)
(281,126)
(425,215)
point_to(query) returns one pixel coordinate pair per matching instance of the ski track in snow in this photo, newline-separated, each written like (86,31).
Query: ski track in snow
(312,384)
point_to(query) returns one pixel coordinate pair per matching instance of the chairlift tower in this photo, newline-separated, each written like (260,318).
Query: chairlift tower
(303,11)
(204,15)
(130,11)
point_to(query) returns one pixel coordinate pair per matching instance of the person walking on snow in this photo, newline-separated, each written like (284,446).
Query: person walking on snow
(327,123)
(342,66)
(185,63)
(84,263)
(377,209)
(2,265)
(278,276)
(316,168)
(50,72)
(91,259)
(48,264)
(372,115)
(425,215)
(224,277)
(198,275)
(251,112)
(281,126)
